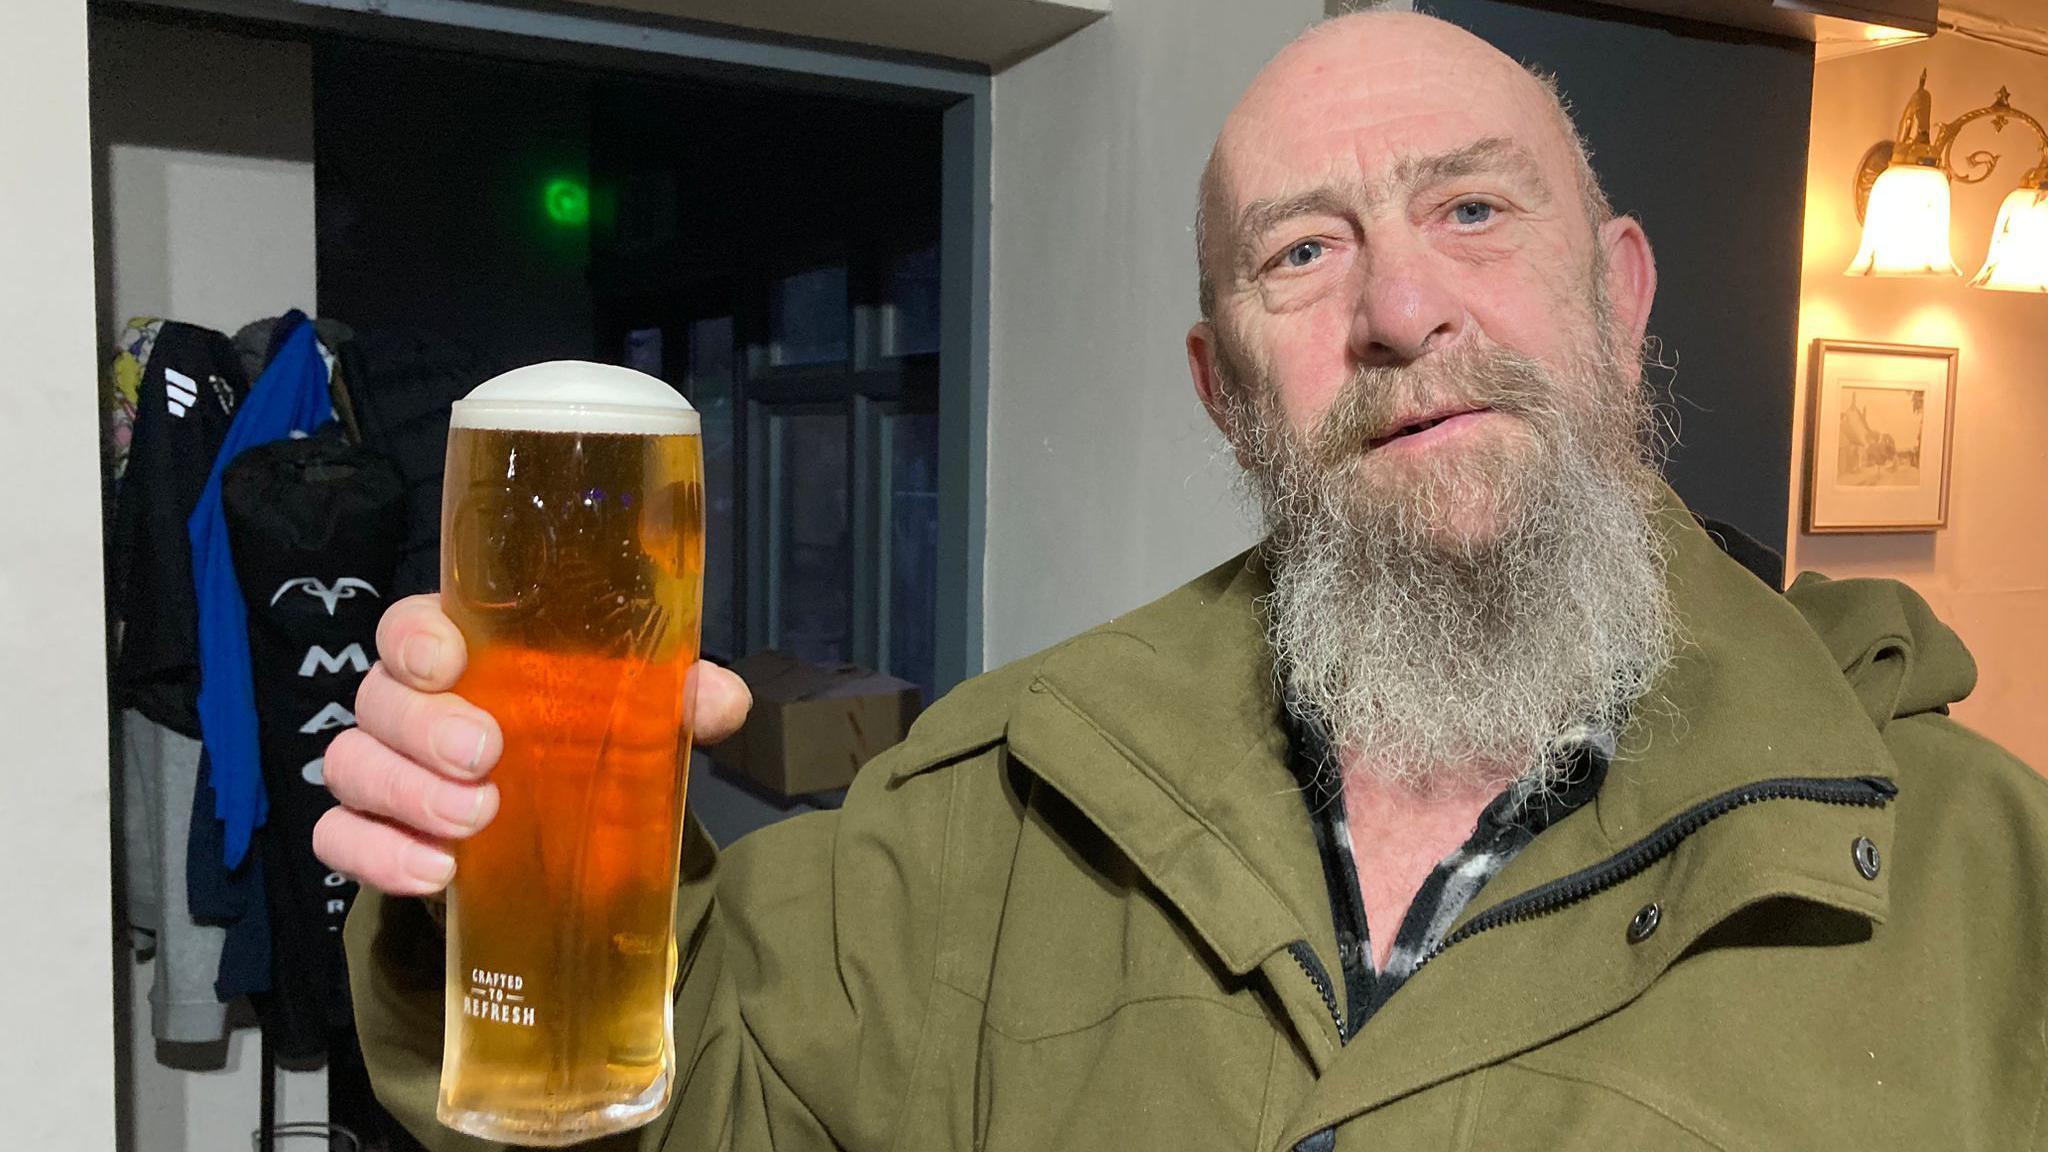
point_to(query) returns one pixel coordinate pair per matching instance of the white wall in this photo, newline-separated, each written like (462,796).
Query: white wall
(57,1059)
(208,173)
(207,181)
(1106,486)
(1986,574)
(209,238)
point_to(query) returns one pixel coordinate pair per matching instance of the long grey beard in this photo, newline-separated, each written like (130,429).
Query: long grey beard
(1431,653)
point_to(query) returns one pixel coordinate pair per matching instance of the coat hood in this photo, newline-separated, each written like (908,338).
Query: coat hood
(1896,656)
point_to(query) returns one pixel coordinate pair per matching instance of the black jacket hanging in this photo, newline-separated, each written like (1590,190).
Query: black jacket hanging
(190,389)
(403,383)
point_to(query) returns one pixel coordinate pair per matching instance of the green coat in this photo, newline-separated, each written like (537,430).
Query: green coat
(1058,917)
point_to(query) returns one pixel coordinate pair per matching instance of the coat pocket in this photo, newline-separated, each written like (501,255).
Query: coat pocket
(1566,1110)
(1171,1072)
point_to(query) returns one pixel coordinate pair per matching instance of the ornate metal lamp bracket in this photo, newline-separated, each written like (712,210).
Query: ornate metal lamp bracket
(1920,142)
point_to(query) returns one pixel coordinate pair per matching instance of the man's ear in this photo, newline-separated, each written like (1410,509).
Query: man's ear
(1631,275)
(1204,357)
(1202,353)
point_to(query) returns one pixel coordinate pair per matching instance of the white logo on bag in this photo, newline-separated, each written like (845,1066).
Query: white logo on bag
(343,589)
(332,716)
(317,659)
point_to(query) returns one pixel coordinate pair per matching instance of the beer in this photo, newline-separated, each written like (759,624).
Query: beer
(572,562)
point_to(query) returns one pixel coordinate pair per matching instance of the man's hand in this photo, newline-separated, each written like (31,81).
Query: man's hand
(412,775)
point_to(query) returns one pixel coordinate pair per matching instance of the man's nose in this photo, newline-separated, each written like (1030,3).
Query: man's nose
(1406,310)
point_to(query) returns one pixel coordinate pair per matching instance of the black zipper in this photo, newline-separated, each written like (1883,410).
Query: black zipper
(1320,977)
(1861,791)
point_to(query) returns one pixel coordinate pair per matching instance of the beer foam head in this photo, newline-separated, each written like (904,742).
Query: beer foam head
(576,396)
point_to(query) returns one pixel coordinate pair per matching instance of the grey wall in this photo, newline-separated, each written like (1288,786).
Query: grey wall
(1105,483)
(1703,140)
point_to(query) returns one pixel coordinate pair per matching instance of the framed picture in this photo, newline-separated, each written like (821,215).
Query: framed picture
(1877,437)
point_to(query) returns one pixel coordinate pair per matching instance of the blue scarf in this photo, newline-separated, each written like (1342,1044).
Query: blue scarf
(290,398)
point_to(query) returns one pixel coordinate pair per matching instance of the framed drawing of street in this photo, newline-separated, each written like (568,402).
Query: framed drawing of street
(1878,437)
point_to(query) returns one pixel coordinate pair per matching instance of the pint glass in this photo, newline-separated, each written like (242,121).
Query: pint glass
(572,561)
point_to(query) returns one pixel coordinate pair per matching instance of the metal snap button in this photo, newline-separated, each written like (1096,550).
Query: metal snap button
(1645,923)
(1867,861)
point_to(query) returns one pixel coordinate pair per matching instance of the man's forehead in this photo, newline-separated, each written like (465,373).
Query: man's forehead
(1343,186)
(1375,94)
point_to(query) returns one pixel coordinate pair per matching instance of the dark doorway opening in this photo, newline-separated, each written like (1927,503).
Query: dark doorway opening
(773,255)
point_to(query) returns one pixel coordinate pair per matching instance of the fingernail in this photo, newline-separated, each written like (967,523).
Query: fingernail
(459,742)
(430,865)
(421,653)
(460,806)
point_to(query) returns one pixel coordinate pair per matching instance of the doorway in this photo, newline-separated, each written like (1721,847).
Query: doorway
(794,239)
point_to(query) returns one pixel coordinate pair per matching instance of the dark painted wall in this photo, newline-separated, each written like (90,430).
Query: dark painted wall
(1704,140)
(695,184)
(432,167)
(430,170)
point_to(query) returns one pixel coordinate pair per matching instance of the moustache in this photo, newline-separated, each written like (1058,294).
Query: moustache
(1378,402)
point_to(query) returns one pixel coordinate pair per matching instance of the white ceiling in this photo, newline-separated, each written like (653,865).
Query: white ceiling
(994,33)
(2022,13)
(2016,23)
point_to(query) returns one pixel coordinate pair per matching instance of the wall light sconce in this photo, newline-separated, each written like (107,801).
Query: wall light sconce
(1902,200)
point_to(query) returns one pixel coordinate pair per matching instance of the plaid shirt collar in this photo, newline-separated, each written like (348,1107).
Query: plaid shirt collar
(1505,827)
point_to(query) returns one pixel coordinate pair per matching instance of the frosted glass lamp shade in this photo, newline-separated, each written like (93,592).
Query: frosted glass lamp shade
(2018,260)
(1905,226)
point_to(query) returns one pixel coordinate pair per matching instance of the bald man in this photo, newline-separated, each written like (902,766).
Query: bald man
(1486,804)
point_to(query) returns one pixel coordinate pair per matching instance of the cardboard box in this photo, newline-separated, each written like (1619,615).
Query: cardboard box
(812,725)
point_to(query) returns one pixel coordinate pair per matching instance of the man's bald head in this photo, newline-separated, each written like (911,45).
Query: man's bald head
(1296,71)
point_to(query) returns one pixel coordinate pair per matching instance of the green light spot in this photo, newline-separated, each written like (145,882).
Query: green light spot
(566,201)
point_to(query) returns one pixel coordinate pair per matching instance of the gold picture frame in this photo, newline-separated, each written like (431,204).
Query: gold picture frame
(1875,414)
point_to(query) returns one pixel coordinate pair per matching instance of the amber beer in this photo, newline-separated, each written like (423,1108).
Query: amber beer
(572,560)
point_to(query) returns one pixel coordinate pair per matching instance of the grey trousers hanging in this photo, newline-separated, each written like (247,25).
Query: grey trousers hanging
(159,769)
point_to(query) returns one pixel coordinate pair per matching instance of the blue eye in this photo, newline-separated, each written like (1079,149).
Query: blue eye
(1303,254)
(1472,213)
